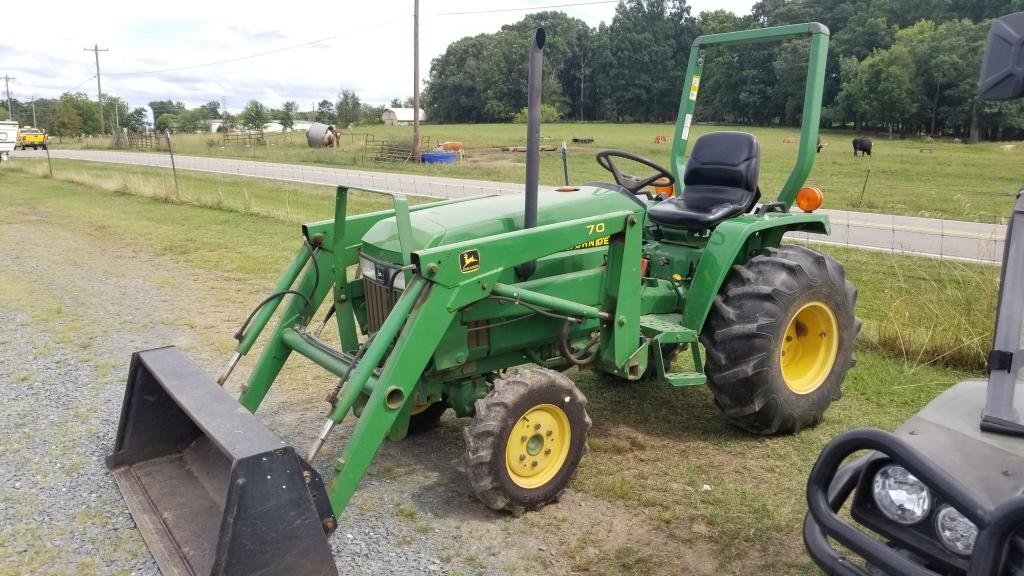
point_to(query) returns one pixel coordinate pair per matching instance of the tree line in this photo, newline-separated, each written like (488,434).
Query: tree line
(899,66)
(74,114)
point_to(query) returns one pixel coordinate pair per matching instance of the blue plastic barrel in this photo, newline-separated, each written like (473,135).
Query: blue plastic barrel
(439,157)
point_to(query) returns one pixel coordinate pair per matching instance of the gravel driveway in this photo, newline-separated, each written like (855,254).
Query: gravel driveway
(76,303)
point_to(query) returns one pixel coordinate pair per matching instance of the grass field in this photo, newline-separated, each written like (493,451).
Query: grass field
(942,179)
(704,485)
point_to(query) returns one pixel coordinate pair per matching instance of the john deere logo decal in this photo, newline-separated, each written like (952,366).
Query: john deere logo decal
(469,261)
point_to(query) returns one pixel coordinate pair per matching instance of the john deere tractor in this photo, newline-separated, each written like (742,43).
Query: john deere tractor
(478,306)
(943,495)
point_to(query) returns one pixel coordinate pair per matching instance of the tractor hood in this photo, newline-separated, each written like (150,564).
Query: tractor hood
(493,215)
(947,432)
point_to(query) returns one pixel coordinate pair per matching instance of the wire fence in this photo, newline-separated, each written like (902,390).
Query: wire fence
(935,310)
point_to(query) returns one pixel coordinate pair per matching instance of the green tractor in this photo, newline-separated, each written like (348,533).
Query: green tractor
(435,303)
(942,495)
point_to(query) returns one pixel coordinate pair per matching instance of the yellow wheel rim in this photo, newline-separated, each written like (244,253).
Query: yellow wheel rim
(538,446)
(809,347)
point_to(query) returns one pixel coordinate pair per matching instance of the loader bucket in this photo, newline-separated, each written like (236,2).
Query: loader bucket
(212,490)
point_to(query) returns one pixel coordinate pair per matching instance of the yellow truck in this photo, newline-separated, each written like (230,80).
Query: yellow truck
(29,137)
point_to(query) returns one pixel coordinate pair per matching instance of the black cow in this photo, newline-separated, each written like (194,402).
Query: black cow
(862,145)
(820,145)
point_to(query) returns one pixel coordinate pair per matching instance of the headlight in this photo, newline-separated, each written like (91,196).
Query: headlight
(900,496)
(382,273)
(955,530)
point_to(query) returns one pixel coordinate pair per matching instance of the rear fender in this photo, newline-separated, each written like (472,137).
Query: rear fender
(734,242)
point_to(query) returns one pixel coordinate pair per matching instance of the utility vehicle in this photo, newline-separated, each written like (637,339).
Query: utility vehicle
(943,494)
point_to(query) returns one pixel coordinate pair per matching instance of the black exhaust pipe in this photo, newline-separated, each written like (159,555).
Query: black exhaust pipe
(526,269)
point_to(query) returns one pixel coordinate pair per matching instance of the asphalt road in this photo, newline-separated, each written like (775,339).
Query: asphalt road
(969,241)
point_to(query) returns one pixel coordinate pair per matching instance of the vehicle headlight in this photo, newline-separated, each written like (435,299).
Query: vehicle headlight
(382,273)
(955,530)
(900,496)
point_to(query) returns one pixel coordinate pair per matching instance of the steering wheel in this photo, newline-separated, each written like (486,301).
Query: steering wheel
(628,181)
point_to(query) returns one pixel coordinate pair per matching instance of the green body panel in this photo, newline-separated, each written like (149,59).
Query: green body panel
(734,242)
(464,314)
(486,217)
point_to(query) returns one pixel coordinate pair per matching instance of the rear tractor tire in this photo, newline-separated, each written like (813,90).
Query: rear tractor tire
(526,440)
(779,339)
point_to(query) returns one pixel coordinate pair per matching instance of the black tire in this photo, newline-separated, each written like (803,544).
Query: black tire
(44,146)
(428,419)
(497,417)
(747,327)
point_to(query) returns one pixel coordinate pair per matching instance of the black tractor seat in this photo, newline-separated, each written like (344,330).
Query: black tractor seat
(720,181)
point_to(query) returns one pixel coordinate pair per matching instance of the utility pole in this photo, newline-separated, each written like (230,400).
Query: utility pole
(416,80)
(99,89)
(34,123)
(7,84)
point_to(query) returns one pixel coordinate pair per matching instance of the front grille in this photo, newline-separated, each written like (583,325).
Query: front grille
(379,301)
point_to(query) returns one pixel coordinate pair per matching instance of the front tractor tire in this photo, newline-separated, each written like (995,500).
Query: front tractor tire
(779,339)
(526,440)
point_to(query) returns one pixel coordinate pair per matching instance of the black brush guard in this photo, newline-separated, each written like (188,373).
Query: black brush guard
(212,490)
(829,486)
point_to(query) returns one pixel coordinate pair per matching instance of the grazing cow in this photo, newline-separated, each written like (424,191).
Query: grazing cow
(788,140)
(820,145)
(452,147)
(660,139)
(862,145)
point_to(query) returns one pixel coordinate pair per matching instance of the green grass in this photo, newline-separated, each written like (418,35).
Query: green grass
(703,483)
(965,182)
(289,201)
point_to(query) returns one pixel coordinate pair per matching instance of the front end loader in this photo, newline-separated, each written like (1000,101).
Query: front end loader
(478,305)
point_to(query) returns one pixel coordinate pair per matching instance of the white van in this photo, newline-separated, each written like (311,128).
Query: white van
(8,138)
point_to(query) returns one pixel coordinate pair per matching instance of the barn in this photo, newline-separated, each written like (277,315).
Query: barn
(400,116)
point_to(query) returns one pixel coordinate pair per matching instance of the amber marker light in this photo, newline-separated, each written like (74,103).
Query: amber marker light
(809,198)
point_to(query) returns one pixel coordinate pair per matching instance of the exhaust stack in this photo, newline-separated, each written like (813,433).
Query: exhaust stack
(526,269)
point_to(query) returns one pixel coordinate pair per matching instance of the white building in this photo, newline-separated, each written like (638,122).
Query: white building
(400,116)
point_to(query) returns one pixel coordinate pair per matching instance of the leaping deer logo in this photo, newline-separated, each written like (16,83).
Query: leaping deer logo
(469,261)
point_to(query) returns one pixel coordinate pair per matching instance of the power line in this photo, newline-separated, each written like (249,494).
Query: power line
(79,85)
(255,55)
(526,8)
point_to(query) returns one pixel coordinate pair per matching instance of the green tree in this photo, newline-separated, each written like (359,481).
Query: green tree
(4,114)
(230,121)
(324,112)
(135,121)
(548,115)
(192,121)
(886,91)
(349,109)
(287,115)
(396,103)
(86,110)
(68,122)
(161,107)
(212,109)
(254,115)
(165,122)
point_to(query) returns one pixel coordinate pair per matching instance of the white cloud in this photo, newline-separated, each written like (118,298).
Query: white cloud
(48,59)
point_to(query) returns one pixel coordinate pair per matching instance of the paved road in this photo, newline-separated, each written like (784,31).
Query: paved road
(952,239)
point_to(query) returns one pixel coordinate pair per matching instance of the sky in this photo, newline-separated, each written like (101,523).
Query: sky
(153,50)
